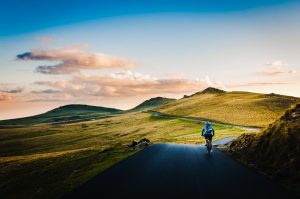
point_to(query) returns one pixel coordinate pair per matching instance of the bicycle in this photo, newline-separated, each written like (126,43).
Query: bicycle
(208,135)
(208,146)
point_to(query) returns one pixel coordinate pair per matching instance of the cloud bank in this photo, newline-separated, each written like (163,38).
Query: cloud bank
(257,84)
(16,90)
(46,91)
(126,84)
(277,68)
(4,97)
(74,59)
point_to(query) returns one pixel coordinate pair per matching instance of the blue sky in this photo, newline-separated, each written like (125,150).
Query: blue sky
(119,53)
(19,17)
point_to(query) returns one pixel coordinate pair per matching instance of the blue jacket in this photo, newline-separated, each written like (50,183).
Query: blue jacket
(208,129)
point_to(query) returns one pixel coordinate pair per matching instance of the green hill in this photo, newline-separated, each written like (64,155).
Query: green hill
(210,90)
(275,151)
(72,112)
(151,103)
(239,108)
(78,112)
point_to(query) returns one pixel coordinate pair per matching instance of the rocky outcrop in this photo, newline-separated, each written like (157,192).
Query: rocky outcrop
(143,143)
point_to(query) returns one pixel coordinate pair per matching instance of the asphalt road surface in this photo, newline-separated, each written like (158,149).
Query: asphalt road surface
(180,171)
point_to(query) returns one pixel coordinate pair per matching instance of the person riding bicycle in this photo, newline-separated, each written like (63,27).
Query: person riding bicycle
(208,132)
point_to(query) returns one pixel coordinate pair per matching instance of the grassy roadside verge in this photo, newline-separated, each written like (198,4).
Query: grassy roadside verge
(51,176)
(238,108)
(275,151)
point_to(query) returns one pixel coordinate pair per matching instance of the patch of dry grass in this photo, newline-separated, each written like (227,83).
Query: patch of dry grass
(239,108)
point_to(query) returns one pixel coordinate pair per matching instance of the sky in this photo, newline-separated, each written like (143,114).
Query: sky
(119,53)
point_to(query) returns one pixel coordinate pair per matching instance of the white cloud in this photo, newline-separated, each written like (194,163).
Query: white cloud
(5,97)
(74,59)
(277,68)
(127,84)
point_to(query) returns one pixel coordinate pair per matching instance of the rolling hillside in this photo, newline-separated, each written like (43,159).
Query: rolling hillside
(48,160)
(152,103)
(78,112)
(275,151)
(73,112)
(239,108)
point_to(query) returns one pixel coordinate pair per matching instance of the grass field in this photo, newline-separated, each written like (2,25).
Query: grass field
(47,160)
(239,108)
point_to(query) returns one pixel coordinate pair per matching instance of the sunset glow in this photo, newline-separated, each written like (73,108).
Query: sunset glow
(112,56)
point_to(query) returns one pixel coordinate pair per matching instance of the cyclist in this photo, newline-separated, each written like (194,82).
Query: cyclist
(208,132)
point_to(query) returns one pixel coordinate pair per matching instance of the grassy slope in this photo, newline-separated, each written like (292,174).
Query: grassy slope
(275,150)
(152,103)
(240,108)
(78,112)
(70,112)
(45,161)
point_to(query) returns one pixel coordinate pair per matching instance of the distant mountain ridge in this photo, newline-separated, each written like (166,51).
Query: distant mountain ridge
(152,103)
(235,107)
(210,90)
(81,112)
(71,112)
(85,108)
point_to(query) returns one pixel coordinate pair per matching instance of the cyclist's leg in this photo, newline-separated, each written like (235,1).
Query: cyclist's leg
(210,142)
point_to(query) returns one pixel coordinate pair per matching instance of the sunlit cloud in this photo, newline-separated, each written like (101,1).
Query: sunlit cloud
(257,84)
(277,68)
(276,63)
(46,91)
(5,97)
(74,59)
(46,100)
(277,72)
(126,84)
(216,84)
(14,90)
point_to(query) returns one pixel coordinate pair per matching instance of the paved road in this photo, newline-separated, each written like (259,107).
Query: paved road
(224,140)
(179,171)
